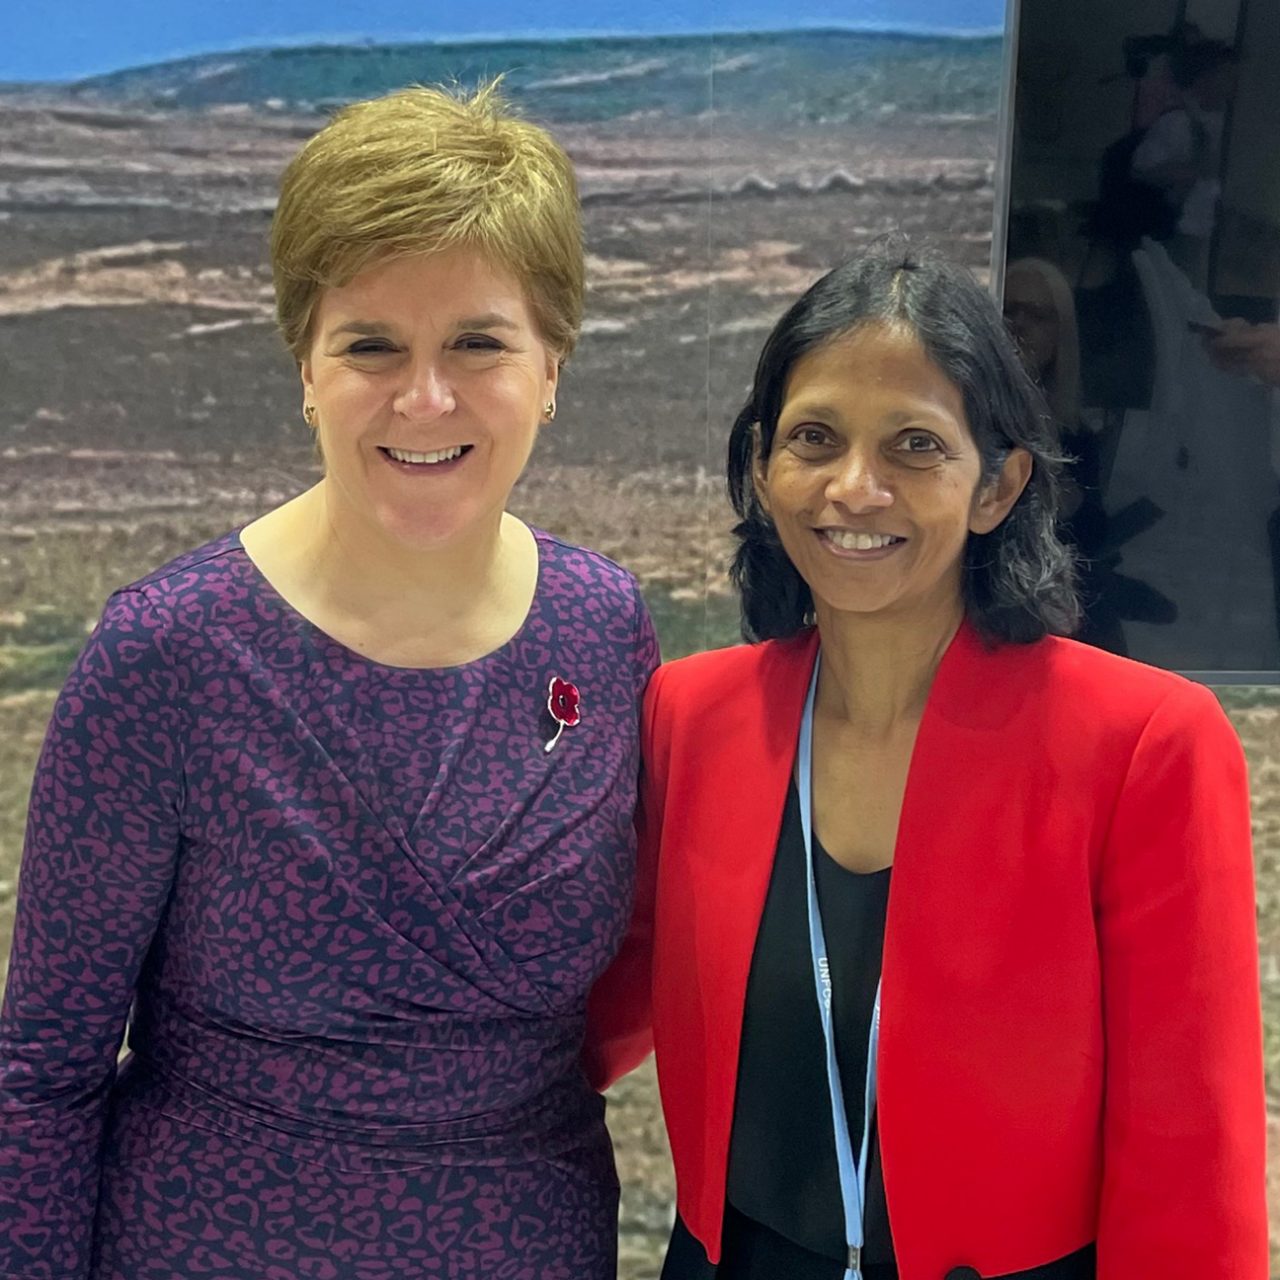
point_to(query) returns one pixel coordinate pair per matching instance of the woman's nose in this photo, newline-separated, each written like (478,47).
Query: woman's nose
(426,394)
(859,483)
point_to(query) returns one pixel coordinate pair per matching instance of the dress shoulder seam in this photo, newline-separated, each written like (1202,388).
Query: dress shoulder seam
(598,556)
(216,550)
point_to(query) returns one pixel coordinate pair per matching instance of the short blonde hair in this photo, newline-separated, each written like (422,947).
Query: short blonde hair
(420,171)
(1061,382)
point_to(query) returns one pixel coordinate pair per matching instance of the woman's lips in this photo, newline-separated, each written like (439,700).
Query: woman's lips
(432,462)
(853,544)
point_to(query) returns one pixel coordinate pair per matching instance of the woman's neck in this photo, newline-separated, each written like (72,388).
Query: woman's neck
(877,671)
(406,606)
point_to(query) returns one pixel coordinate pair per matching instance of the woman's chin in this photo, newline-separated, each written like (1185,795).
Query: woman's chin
(863,598)
(901,607)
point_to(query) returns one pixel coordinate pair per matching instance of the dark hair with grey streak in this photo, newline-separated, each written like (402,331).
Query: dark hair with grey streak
(1019,579)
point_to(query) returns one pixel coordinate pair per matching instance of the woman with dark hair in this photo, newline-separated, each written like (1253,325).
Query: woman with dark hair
(1037,1054)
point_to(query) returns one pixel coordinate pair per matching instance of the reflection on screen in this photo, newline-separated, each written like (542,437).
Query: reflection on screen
(1142,284)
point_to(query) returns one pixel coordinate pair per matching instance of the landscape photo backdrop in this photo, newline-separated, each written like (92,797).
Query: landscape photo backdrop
(148,403)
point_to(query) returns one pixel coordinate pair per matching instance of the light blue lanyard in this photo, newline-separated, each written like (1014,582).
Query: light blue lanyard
(853,1178)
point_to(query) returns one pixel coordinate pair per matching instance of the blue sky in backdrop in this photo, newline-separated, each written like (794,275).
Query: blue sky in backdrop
(68,39)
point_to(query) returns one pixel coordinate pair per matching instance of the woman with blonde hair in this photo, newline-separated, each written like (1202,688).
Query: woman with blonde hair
(1041,314)
(336,810)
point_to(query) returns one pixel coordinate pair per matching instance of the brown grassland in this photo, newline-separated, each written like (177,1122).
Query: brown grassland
(148,404)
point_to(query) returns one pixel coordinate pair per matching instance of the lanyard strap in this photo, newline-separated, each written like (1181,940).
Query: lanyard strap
(853,1177)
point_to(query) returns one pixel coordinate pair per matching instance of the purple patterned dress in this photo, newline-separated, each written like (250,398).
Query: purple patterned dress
(355,910)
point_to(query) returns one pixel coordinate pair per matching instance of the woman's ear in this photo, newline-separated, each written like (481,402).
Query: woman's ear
(552,373)
(759,470)
(308,387)
(995,499)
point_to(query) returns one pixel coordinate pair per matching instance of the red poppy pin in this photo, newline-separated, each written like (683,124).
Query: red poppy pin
(565,706)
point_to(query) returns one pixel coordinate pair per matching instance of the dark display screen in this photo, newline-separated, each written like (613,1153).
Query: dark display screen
(1142,281)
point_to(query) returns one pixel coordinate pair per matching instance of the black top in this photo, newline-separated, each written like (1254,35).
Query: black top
(784,1214)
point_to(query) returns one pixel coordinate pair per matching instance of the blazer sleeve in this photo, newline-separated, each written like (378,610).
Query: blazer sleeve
(1183,1186)
(619,1032)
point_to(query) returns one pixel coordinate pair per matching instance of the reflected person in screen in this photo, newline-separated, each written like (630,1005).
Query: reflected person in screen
(1040,312)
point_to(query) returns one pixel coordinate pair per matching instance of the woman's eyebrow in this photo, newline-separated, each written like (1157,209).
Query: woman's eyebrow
(374,328)
(809,409)
(490,320)
(370,328)
(365,328)
(925,414)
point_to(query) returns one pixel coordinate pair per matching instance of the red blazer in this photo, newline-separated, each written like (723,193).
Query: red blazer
(1070,1040)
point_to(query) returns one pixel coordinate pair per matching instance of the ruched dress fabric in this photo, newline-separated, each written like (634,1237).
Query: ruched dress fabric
(355,911)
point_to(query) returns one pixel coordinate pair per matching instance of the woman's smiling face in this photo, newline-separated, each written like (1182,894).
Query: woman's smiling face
(874,479)
(429,380)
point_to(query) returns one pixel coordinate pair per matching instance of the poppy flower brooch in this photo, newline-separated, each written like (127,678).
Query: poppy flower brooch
(565,705)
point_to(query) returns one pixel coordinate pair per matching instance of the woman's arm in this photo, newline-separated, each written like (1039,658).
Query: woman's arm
(102,838)
(1184,1120)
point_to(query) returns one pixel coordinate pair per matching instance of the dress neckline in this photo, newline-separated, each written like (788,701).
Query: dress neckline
(354,657)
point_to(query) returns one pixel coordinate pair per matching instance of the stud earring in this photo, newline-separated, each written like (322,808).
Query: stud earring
(549,410)
(309,414)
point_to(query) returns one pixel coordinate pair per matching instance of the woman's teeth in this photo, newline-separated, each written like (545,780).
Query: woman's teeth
(848,541)
(435,455)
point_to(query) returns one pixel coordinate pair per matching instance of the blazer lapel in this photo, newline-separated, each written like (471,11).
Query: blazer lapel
(718,858)
(952,905)
(748,769)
